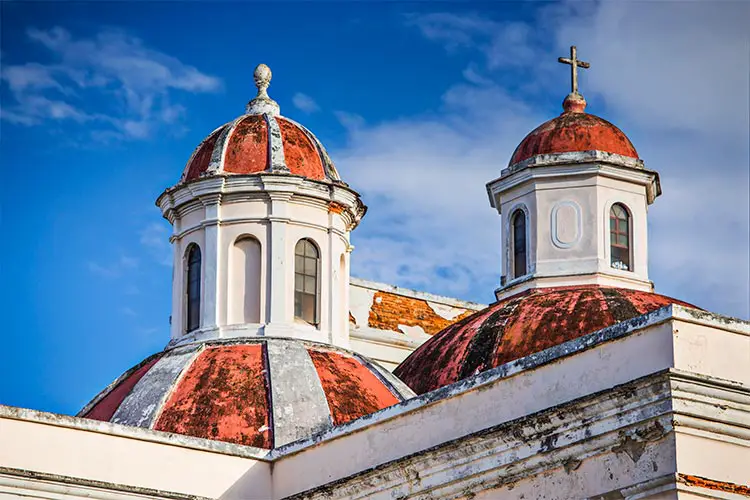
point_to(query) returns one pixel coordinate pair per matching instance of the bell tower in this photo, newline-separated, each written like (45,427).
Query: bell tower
(573,203)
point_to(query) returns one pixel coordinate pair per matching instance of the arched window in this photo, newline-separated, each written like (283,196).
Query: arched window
(519,243)
(193,288)
(619,237)
(306,264)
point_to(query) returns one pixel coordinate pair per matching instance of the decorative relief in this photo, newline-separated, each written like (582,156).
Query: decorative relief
(566,224)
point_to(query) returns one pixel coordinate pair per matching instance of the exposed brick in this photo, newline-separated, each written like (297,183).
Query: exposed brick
(389,310)
(710,484)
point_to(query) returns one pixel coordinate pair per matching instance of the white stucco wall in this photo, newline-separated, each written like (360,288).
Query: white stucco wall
(633,411)
(567,208)
(277,211)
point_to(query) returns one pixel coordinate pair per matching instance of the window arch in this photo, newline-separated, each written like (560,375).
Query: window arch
(193,288)
(619,237)
(518,235)
(306,272)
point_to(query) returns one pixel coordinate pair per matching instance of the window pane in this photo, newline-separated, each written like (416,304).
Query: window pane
(618,212)
(310,284)
(620,258)
(308,308)
(311,250)
(297,304)
(612,238)
(311,266)
(612,224)
(299,282)
(299,262)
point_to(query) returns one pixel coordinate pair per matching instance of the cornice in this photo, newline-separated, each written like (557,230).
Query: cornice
(597,163)
(175,201)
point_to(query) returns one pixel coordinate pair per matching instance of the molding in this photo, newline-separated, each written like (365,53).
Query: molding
(511,179)
(554,225)
(628,418)
(128,432)
(560,436)
(75,487)
(408,292)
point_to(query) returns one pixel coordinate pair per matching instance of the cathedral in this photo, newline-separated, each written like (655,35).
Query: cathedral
(284,377)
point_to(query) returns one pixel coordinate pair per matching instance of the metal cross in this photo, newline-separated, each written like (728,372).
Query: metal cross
(574,64)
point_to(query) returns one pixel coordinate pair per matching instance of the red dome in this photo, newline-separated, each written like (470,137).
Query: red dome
(519,326)
(573,131)
(258,392)
(243,147)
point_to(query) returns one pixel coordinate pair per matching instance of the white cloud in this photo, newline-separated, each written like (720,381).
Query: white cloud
(113,269)
(129,83)
(305,103)
(673,76)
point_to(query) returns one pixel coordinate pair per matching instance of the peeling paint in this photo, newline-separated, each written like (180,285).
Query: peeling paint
(222,396)
(299,405)
(351,389)
(108,405)
(702,482)
(571,132)
(141,406)
(519,326)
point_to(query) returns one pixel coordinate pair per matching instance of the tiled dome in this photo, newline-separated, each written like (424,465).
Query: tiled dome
(262,392)
(519,326)
(574,131)
(261,140)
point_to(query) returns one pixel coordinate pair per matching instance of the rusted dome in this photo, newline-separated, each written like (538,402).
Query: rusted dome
(519,326)
(261,140)
(262,392)
(574,130)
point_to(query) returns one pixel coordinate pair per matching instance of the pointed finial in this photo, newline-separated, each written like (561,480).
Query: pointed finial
(261,103)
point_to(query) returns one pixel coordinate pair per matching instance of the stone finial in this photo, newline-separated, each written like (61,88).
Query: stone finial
(262,103)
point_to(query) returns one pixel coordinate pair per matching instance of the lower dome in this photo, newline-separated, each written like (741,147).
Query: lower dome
(519,326)
(262,392)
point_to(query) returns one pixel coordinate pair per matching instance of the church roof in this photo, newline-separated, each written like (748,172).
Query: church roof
(262,392)
(261,140)
(572,131)
(519,326)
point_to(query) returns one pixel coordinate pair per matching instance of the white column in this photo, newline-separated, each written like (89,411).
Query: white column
(210,262)
(175,326)
(278,268)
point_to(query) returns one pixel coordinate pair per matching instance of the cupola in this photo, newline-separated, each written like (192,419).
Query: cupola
(261,222)
(573,203)
(261,140)
(257,357)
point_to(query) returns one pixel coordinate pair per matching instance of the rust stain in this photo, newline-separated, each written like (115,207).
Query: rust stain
(710,484)
(247,151)
(336,208)
(520,326)
(351,389)
(389,310)
(202,157)
(572,131)
(223,396)
(300,153)
(107,406)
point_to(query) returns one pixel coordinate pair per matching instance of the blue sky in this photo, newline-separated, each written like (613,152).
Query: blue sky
(419,105)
